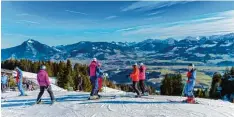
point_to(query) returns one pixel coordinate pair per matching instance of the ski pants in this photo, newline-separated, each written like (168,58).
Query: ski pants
(135,87)
(142,86)
(49,90)
(3,87)
(188,91)
(94,83)
(20,87)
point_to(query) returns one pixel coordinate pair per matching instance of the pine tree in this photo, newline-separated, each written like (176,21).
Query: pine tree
(86,83)
(226,73)
(172,84)
(61,74)
(35,67)
(232,71)
(216,81)
(68,75)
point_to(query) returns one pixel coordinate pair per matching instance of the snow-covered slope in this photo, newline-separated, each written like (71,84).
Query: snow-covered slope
(75,104)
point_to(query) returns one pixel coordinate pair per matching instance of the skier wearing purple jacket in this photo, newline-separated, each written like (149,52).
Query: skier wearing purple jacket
(43,81)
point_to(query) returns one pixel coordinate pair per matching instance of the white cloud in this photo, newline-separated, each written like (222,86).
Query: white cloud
(111,17)
(153,18)
(155,13)
(23,14)
(27,21)
(76,12)
(218,24)
(124,29)
(149,5)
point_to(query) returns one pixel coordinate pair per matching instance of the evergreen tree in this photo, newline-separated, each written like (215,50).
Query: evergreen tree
(216,81)
(68,75)
(86,83)
(61,74)
(232,71)
(172,84)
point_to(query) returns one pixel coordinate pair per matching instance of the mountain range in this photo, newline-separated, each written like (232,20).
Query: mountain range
(203,48)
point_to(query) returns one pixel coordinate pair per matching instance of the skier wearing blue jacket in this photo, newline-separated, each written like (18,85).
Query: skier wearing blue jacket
(4,82)
(190,84)
(19,80)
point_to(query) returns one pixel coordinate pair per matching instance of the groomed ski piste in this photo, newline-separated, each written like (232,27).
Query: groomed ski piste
(114,103)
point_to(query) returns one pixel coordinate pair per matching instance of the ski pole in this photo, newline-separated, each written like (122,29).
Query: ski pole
(183,91)
(105,84)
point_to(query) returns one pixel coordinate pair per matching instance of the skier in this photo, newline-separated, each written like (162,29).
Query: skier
(19,80)
(100,78)
(93,70)
(43,81)
(135,79)
(142,70)
(190,84)
(4,80)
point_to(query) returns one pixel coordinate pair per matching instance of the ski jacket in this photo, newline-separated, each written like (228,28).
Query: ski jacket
(135,75)
(92,69)
(4,79)
(42,78)
(99,72)
(19,77)
(142,70)
(191,75)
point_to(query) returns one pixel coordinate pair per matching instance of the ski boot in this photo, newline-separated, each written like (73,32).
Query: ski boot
(191,101)
(23,95)
(52,102)
(145,94)
(39,102)
(99,96)
(137,96)
(187,100)
(93,97)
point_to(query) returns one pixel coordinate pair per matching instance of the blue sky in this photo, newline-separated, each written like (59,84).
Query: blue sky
(56,23)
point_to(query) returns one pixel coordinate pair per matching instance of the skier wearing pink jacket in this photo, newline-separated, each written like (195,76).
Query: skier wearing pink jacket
(142,70)
(43,81)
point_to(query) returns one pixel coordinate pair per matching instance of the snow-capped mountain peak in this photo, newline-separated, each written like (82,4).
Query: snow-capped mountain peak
(30,41)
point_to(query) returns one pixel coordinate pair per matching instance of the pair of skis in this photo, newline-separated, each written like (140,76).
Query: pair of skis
(176,101)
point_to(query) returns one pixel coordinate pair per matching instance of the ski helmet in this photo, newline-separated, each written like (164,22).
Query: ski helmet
(95,59)
(141,64)
(192,65)
(43,67)
(135,64)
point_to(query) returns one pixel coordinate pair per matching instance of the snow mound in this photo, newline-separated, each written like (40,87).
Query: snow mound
(33,77)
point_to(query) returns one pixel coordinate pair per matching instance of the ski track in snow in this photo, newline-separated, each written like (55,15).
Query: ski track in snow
(152,106)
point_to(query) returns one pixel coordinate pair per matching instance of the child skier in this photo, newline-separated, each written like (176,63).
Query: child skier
(190,84)
(100,77)
(142,70)
(135,79)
